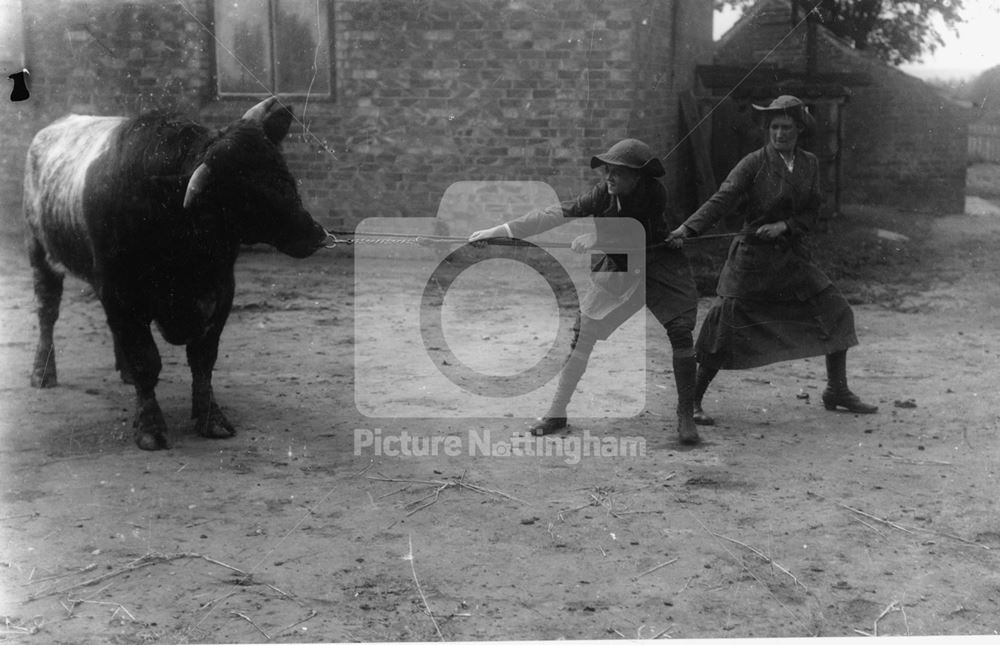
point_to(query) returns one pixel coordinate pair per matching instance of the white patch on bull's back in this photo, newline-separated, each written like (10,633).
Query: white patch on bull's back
(58,160)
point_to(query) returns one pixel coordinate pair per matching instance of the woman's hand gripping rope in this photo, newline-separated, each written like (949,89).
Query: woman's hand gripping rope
(480,238)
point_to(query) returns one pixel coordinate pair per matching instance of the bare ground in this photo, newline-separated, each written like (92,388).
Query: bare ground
(787,521)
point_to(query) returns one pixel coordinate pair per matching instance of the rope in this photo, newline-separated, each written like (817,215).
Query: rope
(334,238)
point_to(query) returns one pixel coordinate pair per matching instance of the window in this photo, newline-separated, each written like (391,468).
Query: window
(272,47)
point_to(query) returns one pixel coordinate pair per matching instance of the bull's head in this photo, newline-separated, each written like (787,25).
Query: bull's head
(244,173)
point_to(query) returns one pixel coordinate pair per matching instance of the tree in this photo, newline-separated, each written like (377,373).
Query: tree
(896,31)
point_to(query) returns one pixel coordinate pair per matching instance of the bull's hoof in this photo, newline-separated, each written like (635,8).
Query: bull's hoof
(150,427)
(43,370)
(151,440)
(214,424)
(44,379)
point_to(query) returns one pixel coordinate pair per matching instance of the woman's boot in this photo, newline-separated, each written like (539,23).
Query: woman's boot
(685,369)
(837,393)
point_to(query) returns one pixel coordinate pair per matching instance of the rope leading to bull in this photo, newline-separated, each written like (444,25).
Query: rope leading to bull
(336,238)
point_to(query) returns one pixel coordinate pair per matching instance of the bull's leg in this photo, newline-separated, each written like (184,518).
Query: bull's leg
(48,294)
(122,365)
(139,358)
(209,420)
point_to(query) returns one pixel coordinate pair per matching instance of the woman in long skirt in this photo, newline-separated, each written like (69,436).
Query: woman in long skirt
(774,304)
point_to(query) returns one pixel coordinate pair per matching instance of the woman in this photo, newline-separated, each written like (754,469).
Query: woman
(774,304)
(629,189)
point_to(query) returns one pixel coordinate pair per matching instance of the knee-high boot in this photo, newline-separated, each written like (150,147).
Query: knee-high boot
(837,393)
(704,378)
(685,369)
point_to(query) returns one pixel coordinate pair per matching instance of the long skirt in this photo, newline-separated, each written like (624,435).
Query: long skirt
(740,333)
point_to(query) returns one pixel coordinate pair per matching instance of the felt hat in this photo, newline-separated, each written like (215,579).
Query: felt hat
(630,153)
(790,106)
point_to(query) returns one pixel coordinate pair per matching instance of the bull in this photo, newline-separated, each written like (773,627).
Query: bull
(152,212)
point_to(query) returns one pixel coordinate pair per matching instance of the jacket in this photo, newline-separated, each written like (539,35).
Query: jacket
(611,284)
(756,268)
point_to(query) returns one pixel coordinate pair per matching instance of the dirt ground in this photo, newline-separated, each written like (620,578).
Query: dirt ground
(788,520)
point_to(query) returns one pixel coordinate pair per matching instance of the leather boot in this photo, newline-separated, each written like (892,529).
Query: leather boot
(837,393)
(685,369)
(704,378)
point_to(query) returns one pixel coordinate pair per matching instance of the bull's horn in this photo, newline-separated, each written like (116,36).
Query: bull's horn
(197,183)
(261,110)
(274,117)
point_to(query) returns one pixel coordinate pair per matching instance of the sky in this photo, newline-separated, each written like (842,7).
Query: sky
(975,49)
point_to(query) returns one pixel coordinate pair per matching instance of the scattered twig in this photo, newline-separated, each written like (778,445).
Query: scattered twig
(751,573)
(892,607)
(81,601)
(604,500)
(442,485)
(144,561)
(413,569)
(371,462)
(250,620)
(436,495)
(663,632)
(656,568)
(11,628)
(860,521)
(686,583)
(221,564)
(122,608)
(763,557)
(918,462)
(57,576)
(312,614)
(877,519)
(953,537)
(395,492)
(17,517)
(911,530)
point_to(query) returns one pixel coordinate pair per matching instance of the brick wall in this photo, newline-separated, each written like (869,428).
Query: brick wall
(904,144)
(106,58)
(428,92)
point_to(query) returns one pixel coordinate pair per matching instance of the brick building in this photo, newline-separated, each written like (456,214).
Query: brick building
(900,143)
(396,99)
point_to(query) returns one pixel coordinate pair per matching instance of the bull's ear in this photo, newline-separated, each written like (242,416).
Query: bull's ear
(275,118)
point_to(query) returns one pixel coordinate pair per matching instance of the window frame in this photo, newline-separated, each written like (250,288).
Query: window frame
(327,95)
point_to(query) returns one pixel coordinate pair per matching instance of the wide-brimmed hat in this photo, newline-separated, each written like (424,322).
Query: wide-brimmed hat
(790,106)
(630,153)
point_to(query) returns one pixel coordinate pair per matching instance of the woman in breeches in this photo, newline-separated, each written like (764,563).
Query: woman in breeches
(630,189)
(774,303)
